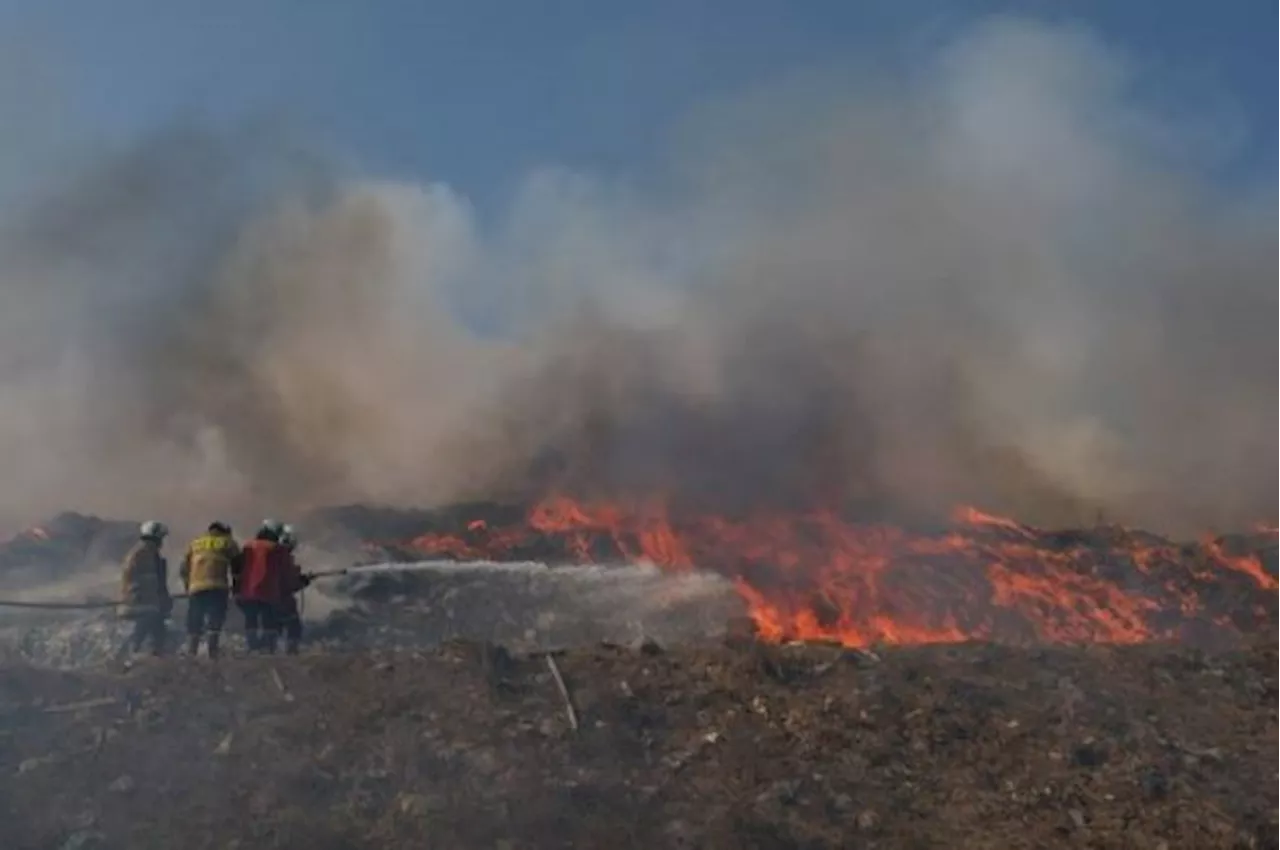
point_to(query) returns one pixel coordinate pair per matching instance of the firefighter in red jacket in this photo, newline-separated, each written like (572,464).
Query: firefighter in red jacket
(289,615)
(264,583)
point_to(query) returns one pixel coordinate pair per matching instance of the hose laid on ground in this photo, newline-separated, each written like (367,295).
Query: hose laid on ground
(88,606)
(63,606)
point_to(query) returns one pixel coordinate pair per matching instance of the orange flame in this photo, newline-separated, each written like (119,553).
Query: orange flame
(818,577)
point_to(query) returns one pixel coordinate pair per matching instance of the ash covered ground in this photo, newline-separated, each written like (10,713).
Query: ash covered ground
(424,713)
(732,746)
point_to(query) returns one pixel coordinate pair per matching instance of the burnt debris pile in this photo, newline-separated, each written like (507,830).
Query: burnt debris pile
(809,576)
(68,542)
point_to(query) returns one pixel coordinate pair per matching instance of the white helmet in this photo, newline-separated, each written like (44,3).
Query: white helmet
(288,536)
(153,529)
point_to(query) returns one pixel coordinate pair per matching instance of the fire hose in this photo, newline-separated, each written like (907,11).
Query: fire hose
(103,603)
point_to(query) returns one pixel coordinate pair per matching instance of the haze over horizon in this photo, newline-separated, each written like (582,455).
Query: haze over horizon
(262,255)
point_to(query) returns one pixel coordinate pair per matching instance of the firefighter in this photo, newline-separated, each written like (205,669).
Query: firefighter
(144,589)
(290,616)
(208,568)
(263,579)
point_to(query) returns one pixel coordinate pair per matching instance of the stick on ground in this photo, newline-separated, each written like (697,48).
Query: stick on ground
(77,706)
(564,692)
(275,674)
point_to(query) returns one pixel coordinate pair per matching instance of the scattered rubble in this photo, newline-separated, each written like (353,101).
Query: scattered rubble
(634,706)
(745,746)
(807,576)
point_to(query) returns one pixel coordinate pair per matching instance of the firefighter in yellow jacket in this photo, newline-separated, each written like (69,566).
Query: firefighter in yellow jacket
(144,589)
(211,563)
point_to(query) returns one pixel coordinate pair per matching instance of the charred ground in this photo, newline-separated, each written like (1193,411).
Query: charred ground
(735,746)
(391,734)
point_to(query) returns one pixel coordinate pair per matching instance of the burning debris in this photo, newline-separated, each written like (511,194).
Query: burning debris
(798,577)
(401,735)
(67,543)
(817,577)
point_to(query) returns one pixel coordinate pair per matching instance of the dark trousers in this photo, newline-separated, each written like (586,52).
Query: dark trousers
(206,611)
(148,628)
(206,614)
(261,624)
(291,623)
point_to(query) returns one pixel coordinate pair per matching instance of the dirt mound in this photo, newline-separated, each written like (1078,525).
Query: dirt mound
(64,544)
(731,746)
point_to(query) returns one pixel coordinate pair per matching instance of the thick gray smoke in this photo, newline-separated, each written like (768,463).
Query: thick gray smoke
(996,280)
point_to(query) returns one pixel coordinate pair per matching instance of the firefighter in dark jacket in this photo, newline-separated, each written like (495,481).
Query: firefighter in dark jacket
(261,590)
(211,562)
(144,589)
(289,614)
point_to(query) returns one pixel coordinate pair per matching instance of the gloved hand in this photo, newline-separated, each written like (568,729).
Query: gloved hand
(305,579)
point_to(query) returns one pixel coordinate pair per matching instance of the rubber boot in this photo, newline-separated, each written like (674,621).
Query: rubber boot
(193,645)
(291,646)
(270,642)
(213,644)
(252,640)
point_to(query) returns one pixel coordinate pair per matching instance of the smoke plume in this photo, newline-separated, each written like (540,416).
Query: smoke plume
(996,279)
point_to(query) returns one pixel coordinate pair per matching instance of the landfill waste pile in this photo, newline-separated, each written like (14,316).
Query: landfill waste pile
(65,544)
(525,606)
(738,745)
(562,573)
(571,675)
(73,560)
(818,576)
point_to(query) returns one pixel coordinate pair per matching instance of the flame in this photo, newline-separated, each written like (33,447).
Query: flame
(1250,564)
(816,576)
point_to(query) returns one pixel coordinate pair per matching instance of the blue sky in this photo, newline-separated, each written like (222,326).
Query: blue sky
(476,92)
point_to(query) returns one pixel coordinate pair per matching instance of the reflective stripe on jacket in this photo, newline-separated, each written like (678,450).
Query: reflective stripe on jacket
(210,562)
